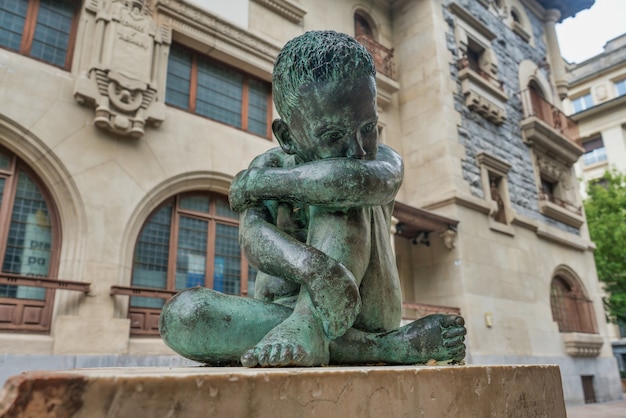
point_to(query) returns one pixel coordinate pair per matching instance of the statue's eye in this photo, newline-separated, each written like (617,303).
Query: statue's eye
(368,128)
(332,136)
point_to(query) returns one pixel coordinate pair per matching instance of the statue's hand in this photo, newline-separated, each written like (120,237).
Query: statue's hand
(239,195)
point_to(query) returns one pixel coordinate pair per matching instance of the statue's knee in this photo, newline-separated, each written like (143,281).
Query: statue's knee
(180,313)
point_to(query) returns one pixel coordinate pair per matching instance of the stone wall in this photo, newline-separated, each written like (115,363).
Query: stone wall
(504,141)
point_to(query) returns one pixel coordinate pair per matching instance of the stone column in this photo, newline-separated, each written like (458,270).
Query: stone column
(554,52)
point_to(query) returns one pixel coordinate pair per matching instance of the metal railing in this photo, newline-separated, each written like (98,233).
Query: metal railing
(466,63)
(537,106)
(383,56)
(560,202)
(43,282)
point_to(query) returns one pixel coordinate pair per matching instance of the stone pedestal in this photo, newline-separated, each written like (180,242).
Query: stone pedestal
(453,391)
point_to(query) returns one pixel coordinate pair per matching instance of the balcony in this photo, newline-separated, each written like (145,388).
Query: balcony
(464,63)
(536,107)
(383,56)
(483,93)
(553,137)
(577,209)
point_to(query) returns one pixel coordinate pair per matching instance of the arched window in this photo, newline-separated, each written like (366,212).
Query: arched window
(364,32)
(190,240)
(362,27)
(516,16)
(28,248)
(571,309)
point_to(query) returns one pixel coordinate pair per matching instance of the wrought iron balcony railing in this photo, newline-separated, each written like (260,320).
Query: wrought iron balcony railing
(383,56)
(466,63)
(537,106)
(562,203)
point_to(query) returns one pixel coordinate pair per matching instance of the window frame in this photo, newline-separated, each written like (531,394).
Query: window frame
(144,319)
(25,306)
(28,35)
(582,102)
(594,147)
(571,309)
(245,104)
(620,87)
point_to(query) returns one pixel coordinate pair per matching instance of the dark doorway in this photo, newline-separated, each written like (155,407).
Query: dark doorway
(590,394)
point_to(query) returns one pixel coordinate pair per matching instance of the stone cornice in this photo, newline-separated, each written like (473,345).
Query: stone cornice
(595,66)
(285,8)
(474,23)
(216,33)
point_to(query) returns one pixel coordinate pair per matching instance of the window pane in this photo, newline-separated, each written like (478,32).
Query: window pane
(191,253)
(226,277)
(219,93)
(222,208)
(251,280)
(152,251)
(594,156)
(620,86)
(178,78)
(12,17)
(197,203)
(582,103)
(4,162)
(143,302)
(258,94)
(29,243)
(52,32)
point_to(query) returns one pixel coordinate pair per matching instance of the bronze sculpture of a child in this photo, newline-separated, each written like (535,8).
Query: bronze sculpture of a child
(315,219)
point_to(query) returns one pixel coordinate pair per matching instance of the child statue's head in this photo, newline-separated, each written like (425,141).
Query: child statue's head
(324,89)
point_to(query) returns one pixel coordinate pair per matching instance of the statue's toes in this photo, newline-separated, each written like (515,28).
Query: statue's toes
(457,353)
(249,359)
(454,342)
(452,321)
(454,332)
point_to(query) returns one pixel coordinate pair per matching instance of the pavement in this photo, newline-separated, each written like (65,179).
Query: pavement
(616,409)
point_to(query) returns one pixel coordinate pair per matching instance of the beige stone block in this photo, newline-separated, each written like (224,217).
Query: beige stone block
(473,391)
(148,346)
(25,344)
(90,335)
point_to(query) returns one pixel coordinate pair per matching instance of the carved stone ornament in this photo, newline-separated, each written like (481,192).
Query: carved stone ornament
(551,169)
(127,56)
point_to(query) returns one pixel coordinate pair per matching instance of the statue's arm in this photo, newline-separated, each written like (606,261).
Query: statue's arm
(336,182)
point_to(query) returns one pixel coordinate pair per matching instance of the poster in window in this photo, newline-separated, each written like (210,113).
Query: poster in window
(36,253)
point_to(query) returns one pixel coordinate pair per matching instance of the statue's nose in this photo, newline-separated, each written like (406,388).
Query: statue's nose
(356,148)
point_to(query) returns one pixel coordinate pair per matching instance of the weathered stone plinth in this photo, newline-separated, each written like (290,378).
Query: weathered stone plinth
(463,391)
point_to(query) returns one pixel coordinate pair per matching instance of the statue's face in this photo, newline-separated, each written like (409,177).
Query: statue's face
(336,120)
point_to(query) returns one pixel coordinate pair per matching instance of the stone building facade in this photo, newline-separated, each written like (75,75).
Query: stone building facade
(123,122)
(597,102)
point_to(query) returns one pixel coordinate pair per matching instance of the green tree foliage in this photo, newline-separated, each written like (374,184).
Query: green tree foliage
(606,216)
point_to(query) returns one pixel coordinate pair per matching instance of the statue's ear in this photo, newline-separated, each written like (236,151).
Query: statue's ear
(281,131)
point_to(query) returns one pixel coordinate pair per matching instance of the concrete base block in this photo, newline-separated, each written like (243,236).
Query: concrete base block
(452,391)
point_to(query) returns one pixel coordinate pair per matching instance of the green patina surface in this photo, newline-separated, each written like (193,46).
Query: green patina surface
(315,217)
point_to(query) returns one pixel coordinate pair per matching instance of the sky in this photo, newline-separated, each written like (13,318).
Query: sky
(584,35)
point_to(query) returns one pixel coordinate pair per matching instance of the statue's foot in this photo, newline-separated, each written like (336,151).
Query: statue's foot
(297,341)
(436,337)
(336,297)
